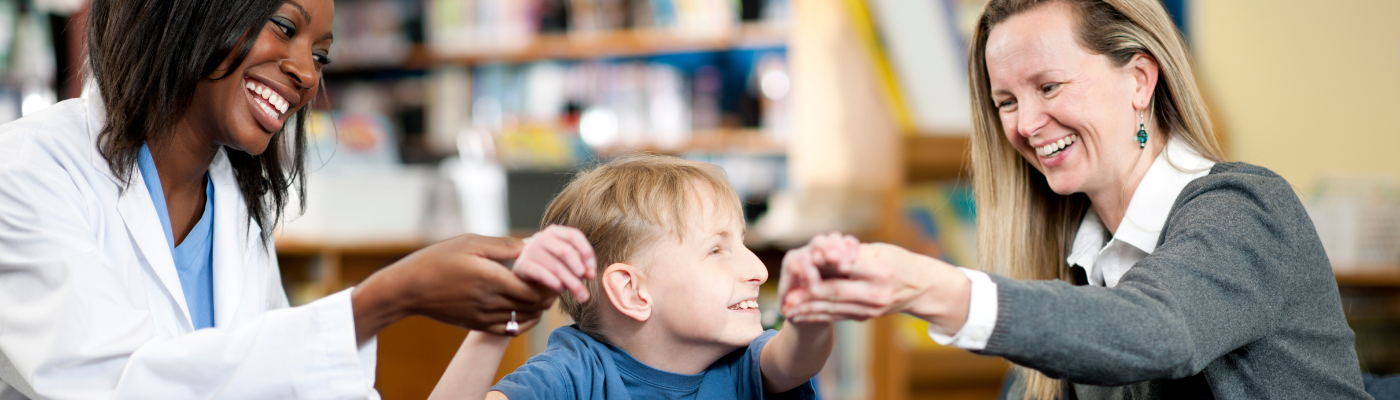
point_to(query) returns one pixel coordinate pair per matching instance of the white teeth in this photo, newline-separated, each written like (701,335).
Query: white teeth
(1056,146)
(745,305)
(278,104)
(269,110)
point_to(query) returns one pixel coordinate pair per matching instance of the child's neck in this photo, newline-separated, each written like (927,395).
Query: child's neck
(664,351)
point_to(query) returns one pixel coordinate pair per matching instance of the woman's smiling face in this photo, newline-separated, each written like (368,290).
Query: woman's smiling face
(280,75)
(1070,113)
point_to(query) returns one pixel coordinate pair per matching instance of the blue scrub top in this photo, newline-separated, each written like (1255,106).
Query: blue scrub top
(194,257)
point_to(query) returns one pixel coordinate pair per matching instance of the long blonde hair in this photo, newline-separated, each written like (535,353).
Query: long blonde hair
(1024,229)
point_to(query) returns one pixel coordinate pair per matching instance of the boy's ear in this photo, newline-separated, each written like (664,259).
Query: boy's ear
(622,282)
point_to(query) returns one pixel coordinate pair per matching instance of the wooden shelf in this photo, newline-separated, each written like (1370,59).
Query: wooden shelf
(1376,276)
(935,156)
(625,43)
(583,46)
(950,369)
(903,371)
(296,247)
(746,140)
(730,141)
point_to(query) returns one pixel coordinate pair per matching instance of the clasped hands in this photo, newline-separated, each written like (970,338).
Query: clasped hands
(835,277)
(461,281)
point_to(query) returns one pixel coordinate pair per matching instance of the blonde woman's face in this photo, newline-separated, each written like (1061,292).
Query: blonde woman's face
(1068,112)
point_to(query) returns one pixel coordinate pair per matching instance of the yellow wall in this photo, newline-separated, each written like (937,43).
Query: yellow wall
(1304,86)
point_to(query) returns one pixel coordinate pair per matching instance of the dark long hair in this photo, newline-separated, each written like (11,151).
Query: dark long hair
(147,57)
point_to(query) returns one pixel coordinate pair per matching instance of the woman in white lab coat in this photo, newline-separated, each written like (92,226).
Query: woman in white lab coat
(133,218)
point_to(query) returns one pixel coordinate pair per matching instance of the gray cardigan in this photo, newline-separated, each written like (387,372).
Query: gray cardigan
(1238,301)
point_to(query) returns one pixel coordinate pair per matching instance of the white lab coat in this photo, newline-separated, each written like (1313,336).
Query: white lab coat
(91,306)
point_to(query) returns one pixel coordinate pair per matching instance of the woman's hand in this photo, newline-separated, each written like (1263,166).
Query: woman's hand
(887,279)
(558,257)
(800,275)
(454,281)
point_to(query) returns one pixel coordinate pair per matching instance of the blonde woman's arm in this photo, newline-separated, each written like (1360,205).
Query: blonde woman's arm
(884,279)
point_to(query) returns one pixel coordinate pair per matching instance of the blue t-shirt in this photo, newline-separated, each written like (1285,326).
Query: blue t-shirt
(576,366)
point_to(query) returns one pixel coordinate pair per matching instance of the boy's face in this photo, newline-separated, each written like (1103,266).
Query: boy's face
(705,287)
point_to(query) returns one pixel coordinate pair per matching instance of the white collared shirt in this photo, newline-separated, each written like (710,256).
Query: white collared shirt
(1104,259)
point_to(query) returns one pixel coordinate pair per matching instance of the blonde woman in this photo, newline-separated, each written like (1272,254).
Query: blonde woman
(1127,258)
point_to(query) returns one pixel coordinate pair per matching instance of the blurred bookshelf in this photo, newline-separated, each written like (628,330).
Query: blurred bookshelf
(718,141)
(534,90)
(535,84)
(41,55)
(611,44)
(626,43)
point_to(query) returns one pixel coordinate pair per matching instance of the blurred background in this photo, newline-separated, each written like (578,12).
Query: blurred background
(442,117)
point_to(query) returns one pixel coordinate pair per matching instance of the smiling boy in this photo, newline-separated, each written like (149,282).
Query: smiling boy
(674,311)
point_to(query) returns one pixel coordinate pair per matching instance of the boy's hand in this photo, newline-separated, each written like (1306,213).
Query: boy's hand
(802,272)
(558,257)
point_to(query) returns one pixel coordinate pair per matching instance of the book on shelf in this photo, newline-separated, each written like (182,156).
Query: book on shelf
(556,114)
(373,33)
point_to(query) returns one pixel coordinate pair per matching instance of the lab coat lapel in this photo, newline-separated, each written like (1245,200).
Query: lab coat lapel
(234,236)
(138,211)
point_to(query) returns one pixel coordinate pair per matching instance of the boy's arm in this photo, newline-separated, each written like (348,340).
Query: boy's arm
(795,355)
(558,258)
(798,352)
(465,378)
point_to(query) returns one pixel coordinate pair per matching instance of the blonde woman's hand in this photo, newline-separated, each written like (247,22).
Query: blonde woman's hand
(800,275)
(559,258)
(886,279)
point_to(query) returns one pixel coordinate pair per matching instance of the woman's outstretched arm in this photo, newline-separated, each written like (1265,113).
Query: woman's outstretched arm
(456,281)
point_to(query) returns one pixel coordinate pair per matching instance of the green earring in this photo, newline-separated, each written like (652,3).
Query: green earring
(1142,132)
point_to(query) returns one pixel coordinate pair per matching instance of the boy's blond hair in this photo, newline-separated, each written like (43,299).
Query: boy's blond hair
(624,205)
